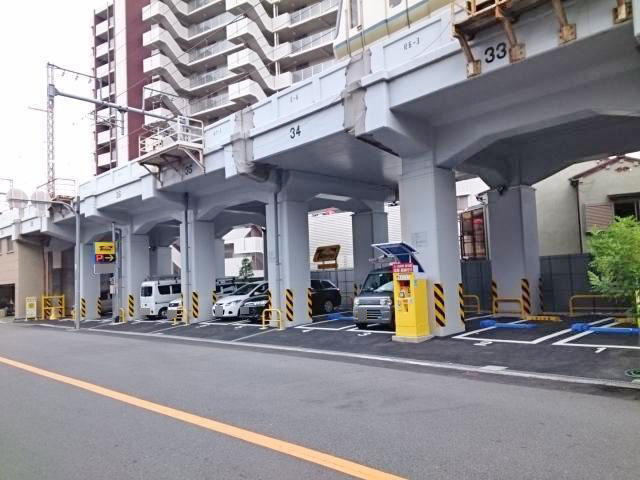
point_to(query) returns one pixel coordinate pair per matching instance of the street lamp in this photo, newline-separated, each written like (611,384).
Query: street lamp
(75,210)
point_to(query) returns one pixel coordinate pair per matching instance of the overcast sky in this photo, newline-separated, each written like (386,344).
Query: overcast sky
(31,34)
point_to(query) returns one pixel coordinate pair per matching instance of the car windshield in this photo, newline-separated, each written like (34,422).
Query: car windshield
(146,291)
(376,280)
(245,289)
(387,287)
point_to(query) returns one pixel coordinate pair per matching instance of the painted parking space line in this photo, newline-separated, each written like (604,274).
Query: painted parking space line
(310,455)
(356,329)
(155,332)
(569,342)
(255,335)
(466,336)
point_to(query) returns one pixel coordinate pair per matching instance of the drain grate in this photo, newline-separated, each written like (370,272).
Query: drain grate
(633,373)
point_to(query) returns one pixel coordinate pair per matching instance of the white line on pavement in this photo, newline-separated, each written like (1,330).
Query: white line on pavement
(253,335)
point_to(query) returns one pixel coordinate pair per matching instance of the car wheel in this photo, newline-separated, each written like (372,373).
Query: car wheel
(163,313)
(361,326)
(328,306)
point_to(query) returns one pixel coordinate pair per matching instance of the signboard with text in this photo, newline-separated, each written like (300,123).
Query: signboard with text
(402,267)
(105,253)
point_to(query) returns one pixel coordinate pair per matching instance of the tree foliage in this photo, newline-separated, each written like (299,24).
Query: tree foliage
(246,269)
(615,268)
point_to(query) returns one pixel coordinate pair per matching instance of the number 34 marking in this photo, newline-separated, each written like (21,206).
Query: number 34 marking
(295,132)
(499,52)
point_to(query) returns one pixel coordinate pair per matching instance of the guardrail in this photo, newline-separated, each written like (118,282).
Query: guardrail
(475,308)
(497,301)
(612,306)
(265,320)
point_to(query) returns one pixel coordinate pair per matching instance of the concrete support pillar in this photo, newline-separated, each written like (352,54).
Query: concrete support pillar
(160,261)
(89,281)
(429,224)
(198,259)
(218,257)
(288,256)
(513,242)
(135,268)
(368,228)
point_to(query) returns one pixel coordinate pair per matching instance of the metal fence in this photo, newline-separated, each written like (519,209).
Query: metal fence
(343,279)
(476,278)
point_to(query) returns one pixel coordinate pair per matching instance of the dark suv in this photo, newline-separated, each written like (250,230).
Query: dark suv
(325,297)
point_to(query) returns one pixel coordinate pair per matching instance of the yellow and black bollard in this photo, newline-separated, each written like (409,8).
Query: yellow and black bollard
(540,295)
(310,303)
(268,307)
(526,297)
(461,302)
(99,307)
(288,297)
(494,296)
(83,308)
(438,297)
(132,307)
(214,298)
(195,304)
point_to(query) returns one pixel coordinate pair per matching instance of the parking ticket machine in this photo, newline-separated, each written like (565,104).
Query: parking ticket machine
(409,294)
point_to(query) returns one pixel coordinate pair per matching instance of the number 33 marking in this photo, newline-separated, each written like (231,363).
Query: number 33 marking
(499,52)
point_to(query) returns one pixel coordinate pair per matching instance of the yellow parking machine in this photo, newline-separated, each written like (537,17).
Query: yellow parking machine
(409,293)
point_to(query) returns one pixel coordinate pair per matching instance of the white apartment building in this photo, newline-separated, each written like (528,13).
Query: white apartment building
(203,59)
(209,58)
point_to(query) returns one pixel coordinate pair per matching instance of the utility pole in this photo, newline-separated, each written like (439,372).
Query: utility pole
(51,159)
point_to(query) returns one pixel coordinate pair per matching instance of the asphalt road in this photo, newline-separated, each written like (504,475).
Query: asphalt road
(407,421)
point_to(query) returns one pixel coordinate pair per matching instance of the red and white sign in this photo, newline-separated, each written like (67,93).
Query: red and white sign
(402,267)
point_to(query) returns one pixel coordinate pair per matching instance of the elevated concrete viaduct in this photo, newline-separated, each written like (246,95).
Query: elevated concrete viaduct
(392,123)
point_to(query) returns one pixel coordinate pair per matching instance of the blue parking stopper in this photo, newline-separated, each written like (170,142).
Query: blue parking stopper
(580,327)
(519,326)
(346,318)
(622,330)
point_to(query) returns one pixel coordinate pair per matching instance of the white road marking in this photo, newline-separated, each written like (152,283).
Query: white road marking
(318,323)
(155,332)
(325,328)
(253,335)
(477,318)
(564,341)
(494,368)
(366,334)
(483,343)
(464,336)
(598,350)
(393,360)
(372,331)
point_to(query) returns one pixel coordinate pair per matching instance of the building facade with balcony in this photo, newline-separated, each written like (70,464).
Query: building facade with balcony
(118,56)
(210,58)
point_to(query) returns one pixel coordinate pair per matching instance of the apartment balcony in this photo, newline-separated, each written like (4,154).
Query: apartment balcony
(252,10)
(212,28)
(165,112)
(247,60)
(103,27)
(245,32)
(105,116)
(194,10)
(102,50)
(308,19)
(106,92)
(310,71)
(214,106)
(103,71)
(197,59)
(106,159)
(246,92)
(103,138)
(311,49)
(162,93)
(196,84)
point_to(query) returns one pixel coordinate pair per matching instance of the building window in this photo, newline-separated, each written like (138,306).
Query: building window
(228,250)
(472,235)
(627,208)
(9,245)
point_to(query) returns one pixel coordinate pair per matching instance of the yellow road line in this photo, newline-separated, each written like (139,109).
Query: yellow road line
(354,469)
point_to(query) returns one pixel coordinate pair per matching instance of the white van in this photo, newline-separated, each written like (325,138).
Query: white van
(156,294)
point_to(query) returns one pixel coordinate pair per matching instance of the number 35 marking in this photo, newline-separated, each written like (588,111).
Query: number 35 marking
(499,52)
